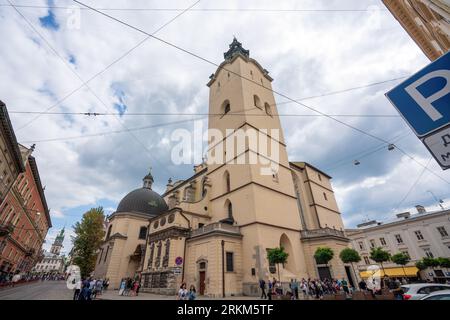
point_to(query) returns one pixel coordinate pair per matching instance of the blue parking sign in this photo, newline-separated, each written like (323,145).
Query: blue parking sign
(424,99)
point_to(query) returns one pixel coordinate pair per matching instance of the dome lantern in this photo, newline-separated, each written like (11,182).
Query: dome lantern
(148,180)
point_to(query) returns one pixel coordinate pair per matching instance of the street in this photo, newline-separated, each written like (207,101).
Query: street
(41,290)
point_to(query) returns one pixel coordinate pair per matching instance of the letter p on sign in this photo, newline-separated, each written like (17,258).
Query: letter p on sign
(424,99)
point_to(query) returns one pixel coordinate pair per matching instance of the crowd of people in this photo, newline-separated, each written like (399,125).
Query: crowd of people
(89,289)
(11,279)
(318,288)
(129,287)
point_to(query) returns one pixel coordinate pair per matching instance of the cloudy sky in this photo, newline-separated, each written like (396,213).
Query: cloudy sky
(337,45)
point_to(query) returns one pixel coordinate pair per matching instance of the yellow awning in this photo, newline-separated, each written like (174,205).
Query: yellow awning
(391,272)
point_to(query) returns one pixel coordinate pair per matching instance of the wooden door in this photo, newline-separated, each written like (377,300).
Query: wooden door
(202,282)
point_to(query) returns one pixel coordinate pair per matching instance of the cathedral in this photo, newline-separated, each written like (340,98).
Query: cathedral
(213,229)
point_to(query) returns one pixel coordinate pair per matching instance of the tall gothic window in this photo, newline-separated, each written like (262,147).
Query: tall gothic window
(166,254)
(230,210)
(226,178)
(109,232)
(142,233)
(158,255)
(150,259)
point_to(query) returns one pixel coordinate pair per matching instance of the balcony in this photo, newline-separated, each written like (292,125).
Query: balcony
(216,227)
(6,228)
(322,233)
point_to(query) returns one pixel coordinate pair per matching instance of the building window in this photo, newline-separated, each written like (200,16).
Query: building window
(372,243)
(399,239)
(406,253)
(230,262)
(106,254)
(319,176)
(428,253)
(442,231)
(227,181)
(256,101)
(142,233)
(361,245)
(419,235)
(366,260)
(325,196)
(268,109)
(200,225)
(226,107)
(230,210)
(382,241)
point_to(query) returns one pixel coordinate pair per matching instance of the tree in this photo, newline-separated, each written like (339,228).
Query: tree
(277,256)
(430,262)
(379,255)
(351,256)
(401,259)
(323,255)
(89,234)
(444,262)
(420,265)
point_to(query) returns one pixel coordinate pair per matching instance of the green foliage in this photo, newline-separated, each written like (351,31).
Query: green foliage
(89,234)
(349,255)
(420,265)
(323,255)
(401,259)
(379,255)
(431,262)
(277,255)
(444,262)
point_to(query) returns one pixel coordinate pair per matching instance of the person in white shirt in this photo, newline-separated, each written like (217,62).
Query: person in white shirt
(182,293)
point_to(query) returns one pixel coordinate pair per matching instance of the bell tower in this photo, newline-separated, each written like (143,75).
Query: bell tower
(258,196)
(58,243)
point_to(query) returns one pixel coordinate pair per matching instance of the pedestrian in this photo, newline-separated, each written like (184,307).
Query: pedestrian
(137,287)
(128,287)
(106,284)
(15,279)
(262,286)
(362,285)
(99,287)
(269,294)
(295,285)
(192,295)
(77,290)
(122,287)
(85,293)
(345,286)
(182,293)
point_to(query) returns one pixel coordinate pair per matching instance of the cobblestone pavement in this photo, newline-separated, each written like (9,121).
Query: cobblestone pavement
(41,290)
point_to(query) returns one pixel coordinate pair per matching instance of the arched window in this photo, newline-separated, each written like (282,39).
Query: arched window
(256,101)
(226,107)
(230,210)
(142,233)
(109,232)
(227,184)
(204,187)
(268,109)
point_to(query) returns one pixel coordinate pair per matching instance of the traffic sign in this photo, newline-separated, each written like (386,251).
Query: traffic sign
(178,261)
(424,99)
(438,143)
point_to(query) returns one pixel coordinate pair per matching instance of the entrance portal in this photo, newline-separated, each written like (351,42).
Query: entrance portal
(202,282)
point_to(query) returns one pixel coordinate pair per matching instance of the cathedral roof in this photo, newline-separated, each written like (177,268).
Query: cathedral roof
(236,48)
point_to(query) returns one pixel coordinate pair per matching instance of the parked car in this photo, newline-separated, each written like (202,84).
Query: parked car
(438,295)
(417,291)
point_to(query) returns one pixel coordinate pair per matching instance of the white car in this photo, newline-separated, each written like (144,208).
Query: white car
(417,291)
(438,295)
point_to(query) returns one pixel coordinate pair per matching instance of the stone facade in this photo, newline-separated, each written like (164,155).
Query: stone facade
(426,21)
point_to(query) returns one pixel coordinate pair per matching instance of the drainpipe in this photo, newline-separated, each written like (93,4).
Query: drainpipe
(223,269)
(184,250)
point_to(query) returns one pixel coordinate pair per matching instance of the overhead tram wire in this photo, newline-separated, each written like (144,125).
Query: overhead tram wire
(198,9)
(95,114)
(88,87)
(126,53)
(46,111)
(254,82)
